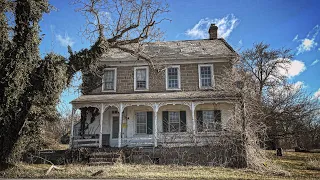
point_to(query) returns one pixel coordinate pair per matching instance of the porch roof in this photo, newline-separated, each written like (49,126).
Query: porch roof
(155,97)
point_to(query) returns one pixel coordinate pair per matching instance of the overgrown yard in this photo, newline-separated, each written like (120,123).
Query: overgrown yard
(299,166)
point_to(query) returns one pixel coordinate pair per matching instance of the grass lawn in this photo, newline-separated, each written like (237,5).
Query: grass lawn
(297,164)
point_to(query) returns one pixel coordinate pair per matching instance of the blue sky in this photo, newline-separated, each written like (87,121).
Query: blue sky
(281,23)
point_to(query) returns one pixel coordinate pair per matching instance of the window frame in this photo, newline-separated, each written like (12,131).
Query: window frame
(212,76)
(146,123)
(179,78)
(169,122)
(135,78)
(214,121)
(114,80)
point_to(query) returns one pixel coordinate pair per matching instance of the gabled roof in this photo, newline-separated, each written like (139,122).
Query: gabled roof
(187,49)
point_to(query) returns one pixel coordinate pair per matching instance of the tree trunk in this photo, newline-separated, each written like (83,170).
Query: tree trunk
(11,128)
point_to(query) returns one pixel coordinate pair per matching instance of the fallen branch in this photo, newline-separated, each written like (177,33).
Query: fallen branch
(97,173)
(52,165)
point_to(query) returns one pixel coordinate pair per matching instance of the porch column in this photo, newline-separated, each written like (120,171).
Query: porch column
(101,123)
(120,124)
(155,129)
(72,130)
(193,107)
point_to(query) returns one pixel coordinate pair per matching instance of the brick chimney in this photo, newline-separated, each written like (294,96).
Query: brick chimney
(213,32)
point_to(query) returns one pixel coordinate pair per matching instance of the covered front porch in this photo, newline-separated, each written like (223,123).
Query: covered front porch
(152,119)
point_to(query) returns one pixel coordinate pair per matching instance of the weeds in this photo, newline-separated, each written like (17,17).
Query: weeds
(300,166)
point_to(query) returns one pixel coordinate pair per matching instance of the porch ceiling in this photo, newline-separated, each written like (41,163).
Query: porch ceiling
(155,97)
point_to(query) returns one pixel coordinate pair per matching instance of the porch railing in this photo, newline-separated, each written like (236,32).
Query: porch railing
(86,141)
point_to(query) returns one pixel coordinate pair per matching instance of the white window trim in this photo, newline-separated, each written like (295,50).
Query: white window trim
(147,78)
(114,80)
(212,77)
(179,78)
(136,123)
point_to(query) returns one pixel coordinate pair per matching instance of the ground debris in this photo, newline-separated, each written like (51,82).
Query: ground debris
(97,173)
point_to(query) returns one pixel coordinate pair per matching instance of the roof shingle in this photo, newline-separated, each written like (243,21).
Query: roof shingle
(177,50)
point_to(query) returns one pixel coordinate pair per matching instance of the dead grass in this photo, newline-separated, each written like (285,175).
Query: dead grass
(296,163)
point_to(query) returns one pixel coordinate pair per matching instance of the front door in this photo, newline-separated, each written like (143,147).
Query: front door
(115,127)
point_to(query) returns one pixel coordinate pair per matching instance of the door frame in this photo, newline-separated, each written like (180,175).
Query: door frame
(111,127)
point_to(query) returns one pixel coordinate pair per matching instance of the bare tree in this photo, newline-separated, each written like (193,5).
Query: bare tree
(291,112)
(272,107)
(264,64)
(124,23)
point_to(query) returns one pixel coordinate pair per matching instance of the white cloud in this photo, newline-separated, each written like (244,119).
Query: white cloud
(225,26)
(317,94)
(315,62)
(298,85)
(287,89)
(293,69)
(308,43)
(65,41)
(295,38)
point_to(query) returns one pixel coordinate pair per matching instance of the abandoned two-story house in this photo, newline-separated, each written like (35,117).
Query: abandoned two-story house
(174,105)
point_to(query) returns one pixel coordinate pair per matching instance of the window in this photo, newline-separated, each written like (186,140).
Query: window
(209,120)
(174,121)
(141,78)
(173,78)
(109,79)
(205,76)
(141,122)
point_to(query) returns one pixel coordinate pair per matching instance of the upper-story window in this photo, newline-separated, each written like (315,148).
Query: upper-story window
(205,76)
(141,78)
(173,78)
(109,79)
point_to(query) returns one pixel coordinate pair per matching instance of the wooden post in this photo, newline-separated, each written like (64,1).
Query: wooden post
(101,125)
(120,124)
(193,107)
(72,130)
(155,129)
